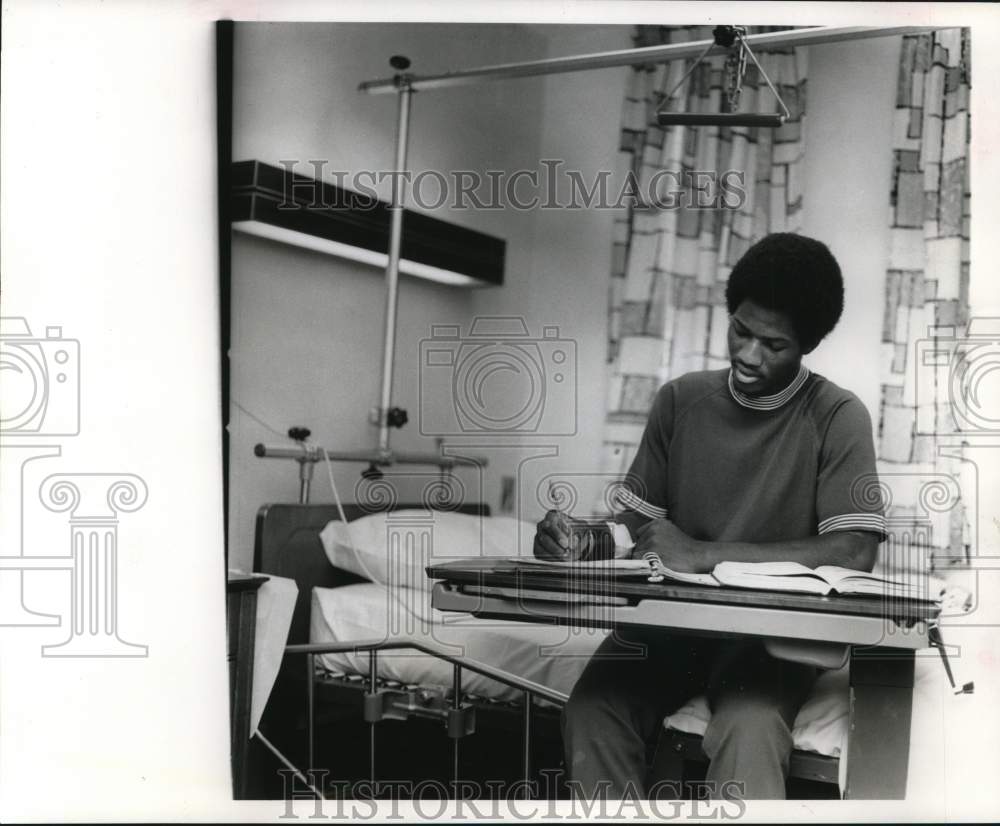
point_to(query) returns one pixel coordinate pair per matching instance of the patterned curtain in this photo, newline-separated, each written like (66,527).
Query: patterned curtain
(920,443)
(667,313)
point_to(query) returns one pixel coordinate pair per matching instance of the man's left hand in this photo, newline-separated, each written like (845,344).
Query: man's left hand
(678,551)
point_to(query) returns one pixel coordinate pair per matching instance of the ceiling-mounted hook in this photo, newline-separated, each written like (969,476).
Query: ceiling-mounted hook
(401,63)
(732,38)
(725,36)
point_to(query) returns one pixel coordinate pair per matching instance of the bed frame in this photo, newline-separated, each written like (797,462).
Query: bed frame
(287,544)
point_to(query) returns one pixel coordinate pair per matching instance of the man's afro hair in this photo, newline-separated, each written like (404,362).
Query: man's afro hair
(794,275)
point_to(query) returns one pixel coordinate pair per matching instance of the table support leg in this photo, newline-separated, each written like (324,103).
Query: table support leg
(878,740)
(242,611)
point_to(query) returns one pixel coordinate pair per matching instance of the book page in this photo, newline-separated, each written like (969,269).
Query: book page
(786,568)
(771,576)
(798,582)
(834,574)
(681,576)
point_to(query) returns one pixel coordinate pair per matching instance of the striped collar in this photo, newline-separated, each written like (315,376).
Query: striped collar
(769,402)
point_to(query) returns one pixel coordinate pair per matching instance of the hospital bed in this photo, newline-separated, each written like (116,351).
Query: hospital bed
(511,676)
(336,608)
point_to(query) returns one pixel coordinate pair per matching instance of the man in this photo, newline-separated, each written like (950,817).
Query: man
(757,463)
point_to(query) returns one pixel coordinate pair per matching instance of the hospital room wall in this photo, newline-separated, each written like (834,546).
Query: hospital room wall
(848,172)
(325,315)
(847,175)
(568,288)
(307,328)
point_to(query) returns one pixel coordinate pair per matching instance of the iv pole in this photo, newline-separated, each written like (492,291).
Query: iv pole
(396,208)
(308,455)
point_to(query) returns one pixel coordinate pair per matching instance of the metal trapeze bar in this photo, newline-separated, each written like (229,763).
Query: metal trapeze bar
(813,36)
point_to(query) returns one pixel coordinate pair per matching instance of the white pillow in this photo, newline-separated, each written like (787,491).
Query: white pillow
(394,548)
(820,726)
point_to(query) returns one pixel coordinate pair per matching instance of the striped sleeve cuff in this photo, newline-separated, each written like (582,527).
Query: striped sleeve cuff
(874,522)
(630,501)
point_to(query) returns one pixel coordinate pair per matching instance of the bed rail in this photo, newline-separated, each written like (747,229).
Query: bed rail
(384,703)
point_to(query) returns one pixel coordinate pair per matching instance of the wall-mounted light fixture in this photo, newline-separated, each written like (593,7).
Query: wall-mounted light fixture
(285,206)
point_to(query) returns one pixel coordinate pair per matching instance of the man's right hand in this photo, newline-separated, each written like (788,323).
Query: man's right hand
(552,537)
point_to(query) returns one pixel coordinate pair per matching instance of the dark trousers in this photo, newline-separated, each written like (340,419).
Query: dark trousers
(637,677)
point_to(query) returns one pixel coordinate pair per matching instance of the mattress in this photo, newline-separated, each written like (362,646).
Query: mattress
(548,654)
(551,655)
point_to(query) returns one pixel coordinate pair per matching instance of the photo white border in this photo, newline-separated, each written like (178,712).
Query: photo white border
(118,99)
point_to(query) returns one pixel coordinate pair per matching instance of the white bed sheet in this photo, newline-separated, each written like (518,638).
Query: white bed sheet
(275,605)
(551,655)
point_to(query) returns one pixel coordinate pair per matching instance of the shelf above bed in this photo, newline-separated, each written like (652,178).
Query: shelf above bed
(291,208)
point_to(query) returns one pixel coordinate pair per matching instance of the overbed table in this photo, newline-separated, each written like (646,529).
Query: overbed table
(883,633)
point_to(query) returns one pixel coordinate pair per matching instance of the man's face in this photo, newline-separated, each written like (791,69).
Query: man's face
(763,350)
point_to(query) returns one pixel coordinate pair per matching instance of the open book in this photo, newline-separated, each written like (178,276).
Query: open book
(826,579)
(767,576)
